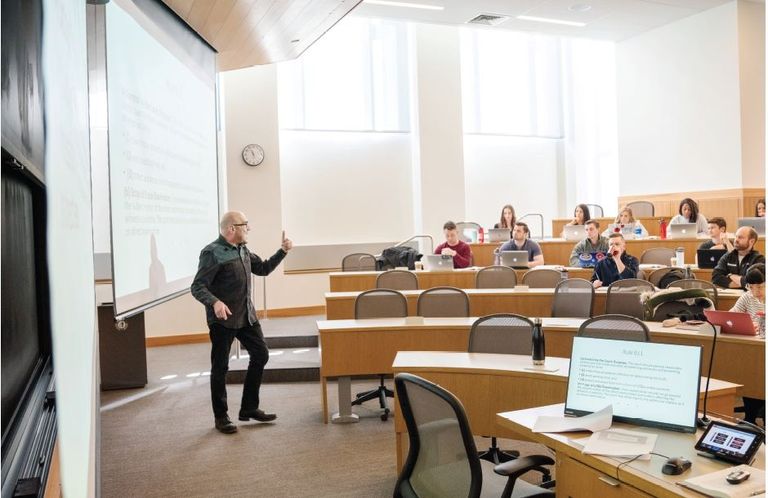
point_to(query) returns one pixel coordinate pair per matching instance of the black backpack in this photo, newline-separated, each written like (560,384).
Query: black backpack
(671,276)
(398,256)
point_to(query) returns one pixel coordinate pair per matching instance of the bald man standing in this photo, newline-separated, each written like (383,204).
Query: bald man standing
(223,285)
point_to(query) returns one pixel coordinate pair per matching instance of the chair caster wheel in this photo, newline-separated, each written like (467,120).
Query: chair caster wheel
(385,415)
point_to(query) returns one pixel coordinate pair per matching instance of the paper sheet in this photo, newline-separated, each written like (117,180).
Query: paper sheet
(582,441)
(620,443)
(598,421)
(714,483)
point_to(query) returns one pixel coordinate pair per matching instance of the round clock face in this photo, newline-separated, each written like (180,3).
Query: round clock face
(253,154)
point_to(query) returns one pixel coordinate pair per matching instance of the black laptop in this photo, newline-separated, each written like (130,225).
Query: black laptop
(708,258)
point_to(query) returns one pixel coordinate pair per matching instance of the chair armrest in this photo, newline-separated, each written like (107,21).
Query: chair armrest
(519,466)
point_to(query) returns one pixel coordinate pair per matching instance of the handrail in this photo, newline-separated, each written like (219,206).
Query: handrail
(541,218)
(423,236)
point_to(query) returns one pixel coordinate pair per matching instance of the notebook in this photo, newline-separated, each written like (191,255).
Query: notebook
(681,231)
(437,262)
(731,322)
(757,223)
(574,232)
(499,234)
(515,259)
(590,259)
(708,258)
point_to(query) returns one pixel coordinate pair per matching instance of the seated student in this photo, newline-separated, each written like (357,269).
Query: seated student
(453,246)
(760,209)
(732,268)
(716,229)
(688,212)
(626,218)
(593,243)
(507,218)
(521,242)
(617,265)
(580,215)
(753,301)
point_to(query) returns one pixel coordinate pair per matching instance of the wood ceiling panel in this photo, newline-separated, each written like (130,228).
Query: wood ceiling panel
(199,12)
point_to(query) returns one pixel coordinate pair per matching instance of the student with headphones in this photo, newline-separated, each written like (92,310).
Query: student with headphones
(521,241)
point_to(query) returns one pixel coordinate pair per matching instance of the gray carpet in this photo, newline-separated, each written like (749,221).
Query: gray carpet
(160,440)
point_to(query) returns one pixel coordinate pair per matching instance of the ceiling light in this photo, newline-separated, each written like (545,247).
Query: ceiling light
(552,21)
(405,4)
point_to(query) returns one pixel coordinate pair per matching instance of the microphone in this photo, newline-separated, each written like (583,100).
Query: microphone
(703,421)
(541,220)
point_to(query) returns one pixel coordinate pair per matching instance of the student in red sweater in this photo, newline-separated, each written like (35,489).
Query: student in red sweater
(462,254)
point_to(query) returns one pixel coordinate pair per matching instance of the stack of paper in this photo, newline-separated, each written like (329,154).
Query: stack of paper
(714,483)
(620,443)
(597,421)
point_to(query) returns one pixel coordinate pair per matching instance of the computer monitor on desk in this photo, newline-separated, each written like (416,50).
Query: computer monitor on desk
(647,383)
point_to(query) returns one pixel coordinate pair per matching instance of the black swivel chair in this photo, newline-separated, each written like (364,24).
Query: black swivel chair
(442,458)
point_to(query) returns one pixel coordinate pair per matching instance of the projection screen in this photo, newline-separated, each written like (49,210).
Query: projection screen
(161,104)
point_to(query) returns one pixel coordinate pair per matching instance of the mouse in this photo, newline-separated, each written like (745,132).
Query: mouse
(737,476)
(675,466)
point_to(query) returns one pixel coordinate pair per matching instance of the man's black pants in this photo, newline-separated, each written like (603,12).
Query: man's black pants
(252,340)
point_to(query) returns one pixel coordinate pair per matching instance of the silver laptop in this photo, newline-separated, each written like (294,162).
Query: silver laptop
(681,231)
(574,232)
(514,259)
(498,235)
(437,262)
(757,223)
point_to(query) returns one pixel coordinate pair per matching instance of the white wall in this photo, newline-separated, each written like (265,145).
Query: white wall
(751,18)
(678,106)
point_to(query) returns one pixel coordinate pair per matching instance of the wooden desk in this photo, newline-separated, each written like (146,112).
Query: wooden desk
(487,384)
(533,302)
(558,251)
(587,476)
(368,347)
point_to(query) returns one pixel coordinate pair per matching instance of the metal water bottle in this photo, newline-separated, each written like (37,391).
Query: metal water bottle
(680,255)
(537,341)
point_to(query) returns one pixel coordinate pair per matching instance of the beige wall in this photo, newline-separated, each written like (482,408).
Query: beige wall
(751,22)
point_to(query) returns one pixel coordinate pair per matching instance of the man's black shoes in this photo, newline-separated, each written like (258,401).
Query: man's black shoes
(223,424)
(256,414)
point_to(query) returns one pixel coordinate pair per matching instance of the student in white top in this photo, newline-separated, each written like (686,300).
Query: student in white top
(688,212)
(760,209)
(627,219)
(753,301)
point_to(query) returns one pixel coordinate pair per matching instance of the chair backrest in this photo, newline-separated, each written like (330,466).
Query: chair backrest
(642,208)
(624,297)
(596,210)
(358,261)
(657,256)
(381,303)
(543,278)
(502,333)
(443,301)
(398,280)
(462,225)
(573,298)
(442,457)
(495,277)
(692,283)
(622,327)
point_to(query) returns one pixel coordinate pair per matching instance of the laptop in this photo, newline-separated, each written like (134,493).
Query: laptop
(625,230)
(574,232)
(682,231)
(708,258)
(499,234)
(437,262)
(731,322)
(514,259)
(590,259)
(757,223)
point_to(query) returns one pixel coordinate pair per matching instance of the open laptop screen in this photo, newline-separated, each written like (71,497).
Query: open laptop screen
(647,383)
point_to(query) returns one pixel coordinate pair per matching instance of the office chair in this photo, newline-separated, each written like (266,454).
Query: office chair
(442,458)
(542,278)
(624,297)
(397,280)
(622,327)
(379,303)
(596,210)
(496,277)
(573,298)
(443,301)
(358,261)
(502,333)
(642,208)
(463,225)
(692,283)
(657,256)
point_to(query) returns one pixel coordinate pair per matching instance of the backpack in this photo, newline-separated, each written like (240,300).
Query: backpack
(393,257)
(681,303)
(671,276)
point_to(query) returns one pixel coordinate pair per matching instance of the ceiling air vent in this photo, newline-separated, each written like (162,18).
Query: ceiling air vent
(488,19)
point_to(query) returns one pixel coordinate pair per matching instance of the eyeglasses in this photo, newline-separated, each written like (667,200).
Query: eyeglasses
(240,224)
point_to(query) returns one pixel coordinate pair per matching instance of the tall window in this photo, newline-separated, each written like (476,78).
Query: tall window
(355,78)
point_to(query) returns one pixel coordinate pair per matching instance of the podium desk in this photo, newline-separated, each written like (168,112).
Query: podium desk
(531,302)
(582,476)
(368,347)
(488,384)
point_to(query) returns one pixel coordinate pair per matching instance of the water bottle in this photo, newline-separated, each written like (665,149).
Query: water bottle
(663,228)
(680,255)
(638,231)
(537,340)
